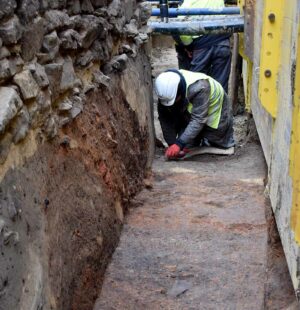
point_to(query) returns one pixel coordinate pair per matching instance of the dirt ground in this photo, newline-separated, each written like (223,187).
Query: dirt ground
(201,235)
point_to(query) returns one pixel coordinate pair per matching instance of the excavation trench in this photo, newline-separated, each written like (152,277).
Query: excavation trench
(201,235)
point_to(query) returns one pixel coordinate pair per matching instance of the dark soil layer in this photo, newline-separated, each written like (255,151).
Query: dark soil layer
(67,204)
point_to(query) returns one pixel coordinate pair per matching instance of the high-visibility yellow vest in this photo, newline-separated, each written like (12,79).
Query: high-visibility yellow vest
(207,4)
(215,98)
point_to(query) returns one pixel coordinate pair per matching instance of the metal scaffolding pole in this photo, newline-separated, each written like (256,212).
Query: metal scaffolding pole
(173,12)
(196,27)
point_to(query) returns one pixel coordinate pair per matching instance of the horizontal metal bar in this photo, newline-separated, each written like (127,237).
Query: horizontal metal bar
(173,12)
(197,27)
(170,2)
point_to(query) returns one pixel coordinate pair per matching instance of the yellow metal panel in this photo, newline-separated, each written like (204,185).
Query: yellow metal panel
(270,60)
(295,151)
(248,81)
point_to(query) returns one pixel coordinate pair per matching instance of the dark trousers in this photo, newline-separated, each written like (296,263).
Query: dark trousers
(214,61)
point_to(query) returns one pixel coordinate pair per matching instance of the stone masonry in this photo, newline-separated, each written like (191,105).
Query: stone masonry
(45,46)
(76,142)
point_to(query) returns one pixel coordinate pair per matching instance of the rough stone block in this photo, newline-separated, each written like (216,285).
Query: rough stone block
(65,105)
(28,9)
(56,20)
(27,84)
(10,104)
(54,73)
(50,127)
(70,39)
(68,79)
(87,7)
(44,5)
(99,3)
(131,29)
(39,75)
(7,8)
(43,101)
(21,125)
(73,7)
(115,8)
(32,39)
(100,79)
(39,111)
(77,107)
(11,31)
(143,12)
(90,35)
(7,69)
(85,58)
(50,45)
(117,64)
(100,51)
(58,4)
(4,52)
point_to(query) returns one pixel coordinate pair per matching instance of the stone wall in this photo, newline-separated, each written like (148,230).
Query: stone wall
(76,139)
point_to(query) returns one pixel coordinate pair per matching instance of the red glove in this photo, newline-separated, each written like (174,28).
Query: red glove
(172,151)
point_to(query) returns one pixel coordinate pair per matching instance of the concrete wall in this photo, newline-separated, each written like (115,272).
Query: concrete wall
(275,133)
(76,140)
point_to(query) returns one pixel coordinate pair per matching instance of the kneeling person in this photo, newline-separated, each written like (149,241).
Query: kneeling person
(193,110)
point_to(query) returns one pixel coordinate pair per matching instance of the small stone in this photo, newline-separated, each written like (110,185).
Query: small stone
(7,8)
(120,62)
(4,52)
(51,44)
(179,287)
(54,73)
(99,3)
(145,9)
(70,39)
(11,31)
(87,7)
(58,4)
(30,46)
(84,59)
(74,7)
(27,84)
(68,79)
(100,79)
(9,67)
(21,125)
(64,121)
(56,20)
(38,111)
(28,9)
(131,29)
(144,37)
(10,104)
(43,101)
(77,106)
(39,74)
(50,128)
(66,105)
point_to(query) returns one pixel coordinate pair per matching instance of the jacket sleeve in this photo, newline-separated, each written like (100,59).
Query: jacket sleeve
(198,95)
(167,124)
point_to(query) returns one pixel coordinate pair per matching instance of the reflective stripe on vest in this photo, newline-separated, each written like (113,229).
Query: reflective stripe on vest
(215,98)
(202,4)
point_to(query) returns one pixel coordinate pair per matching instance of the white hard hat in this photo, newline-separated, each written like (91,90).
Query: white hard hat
(166,86)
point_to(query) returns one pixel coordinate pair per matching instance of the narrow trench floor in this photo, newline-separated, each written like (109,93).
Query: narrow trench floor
(200,236)
(197,239)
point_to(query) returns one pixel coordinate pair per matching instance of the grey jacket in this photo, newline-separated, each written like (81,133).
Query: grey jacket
(187,129)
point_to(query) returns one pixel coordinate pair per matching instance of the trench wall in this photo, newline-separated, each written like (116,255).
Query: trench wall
(76,140)
(274,102)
